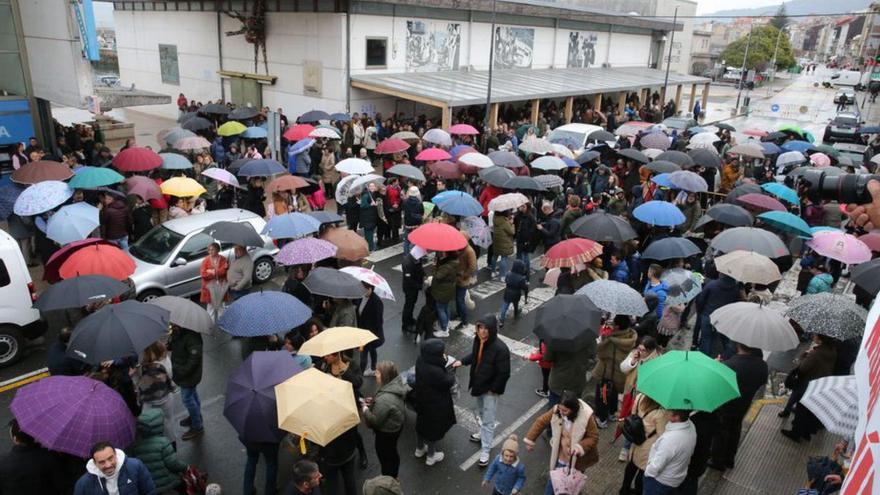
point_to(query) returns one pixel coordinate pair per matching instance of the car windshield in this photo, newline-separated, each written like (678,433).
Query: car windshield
(156,246)
(845,121)
(577,137)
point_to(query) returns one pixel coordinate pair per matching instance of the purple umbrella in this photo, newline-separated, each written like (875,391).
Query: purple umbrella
(305,251)
(71,413)
(250,395)
(144,187)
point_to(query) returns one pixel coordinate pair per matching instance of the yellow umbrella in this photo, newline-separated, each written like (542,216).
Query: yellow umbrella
(316,406)
(337,339)
(231,128)
(182,187)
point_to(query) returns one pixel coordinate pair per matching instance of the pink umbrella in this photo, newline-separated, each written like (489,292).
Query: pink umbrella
(433,154)
(840,246)
(144,187)
(367,276)
(221,175)
(820,160)
(464,130)
(192,143)
(872,239)
(755,132)
(391,145)
(760,202)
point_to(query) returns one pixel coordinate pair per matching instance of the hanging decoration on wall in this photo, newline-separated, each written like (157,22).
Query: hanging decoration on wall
(253,27)
(581,49)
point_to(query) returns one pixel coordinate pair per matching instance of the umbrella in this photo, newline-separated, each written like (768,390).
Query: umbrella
(298,132)
(314,116)
(305,252)
(261,168)
(867,276)
(250,405)
(840,246)
(770,149)
(652,153)
(183,187)
(568,323)
(174,161)
(406,136)
(136,159)
(787,222)
(682,286)
(603,227)
(508,201)
(801,146)
(50,272)
(549,181)
(458,203)
(325,216)
(41,197)
(408,171)
(687,380)
(671,248)
(548,163)
(94,177)
(496,175)
(655,140)
(663,167)
(506,159)
(118,330)
(475,159)
(192,143)
(760,202)
(340,117)
(144,187)
(354,166)
(445,170)
(392,145)
(827,149)
(98,259)
(237,164)
(571,252)
(286,183)
(634,155)
(769,136)
(524,183)
(196,124)
(748,267)
(263,313)
(175,135)
(185,313)
(42,170)
(463,130)
(782,192)
(742,190)
(221,175)
(300,146)
(632,128)
(316,406)
(749,239)
(437,237)
(231,128)
(834,400)
(477,230)
(239,233)
(660,213)
(71,413)
(330,282)
(72,223)
(243,113)
(363,180)
(705,139)
(820,160)
(834,315)
(255,133)
(186,116)
(337,339)
(688,181)
(291,226)
(536,145)
(601,135)
(683,160)
(725,127)
(588,156)
(214,108)
(350,246)
(705,158)
(755,325)
(438,136)
(614,297)
(79,292)
(367,276)
(751,150)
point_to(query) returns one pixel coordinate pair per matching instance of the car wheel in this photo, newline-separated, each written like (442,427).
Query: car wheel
(263,269)
(149,295)
(11,344)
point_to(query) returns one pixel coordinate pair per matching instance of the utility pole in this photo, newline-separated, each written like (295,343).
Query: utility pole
(669,56)
(743,70)
(773,62)
(486,129)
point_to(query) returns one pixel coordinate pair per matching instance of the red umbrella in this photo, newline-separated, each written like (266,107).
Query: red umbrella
(98,259)
(433,154)
(463,130)
(50,272)
(392,145)
(872,239)
(755,132)
(298,132)
(445,170)
(144,187)
(33,172)
(760,202)
(571,252)
(438,237)
(137,159)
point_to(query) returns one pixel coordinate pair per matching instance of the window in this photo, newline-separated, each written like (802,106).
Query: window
(4,275)
(168,64)
(196,247)
(377,53)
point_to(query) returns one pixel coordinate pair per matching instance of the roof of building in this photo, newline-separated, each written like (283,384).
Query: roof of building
(460,88)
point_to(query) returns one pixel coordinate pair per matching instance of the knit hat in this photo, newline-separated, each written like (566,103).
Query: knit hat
(511,444)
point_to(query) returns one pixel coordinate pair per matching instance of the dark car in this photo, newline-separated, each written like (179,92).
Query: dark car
(844,127)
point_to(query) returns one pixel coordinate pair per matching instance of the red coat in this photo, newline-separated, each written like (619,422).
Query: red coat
(222,266)
(489,193)
(539,357)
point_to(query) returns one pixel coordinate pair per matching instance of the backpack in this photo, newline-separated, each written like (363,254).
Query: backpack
(633,427)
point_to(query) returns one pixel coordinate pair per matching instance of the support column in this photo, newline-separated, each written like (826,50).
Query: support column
(493,116)
(621,103)
(678,97)
(693,99)
(705,101)
(446,114)
(536,105)
(569,109)
(662,98)
(646,96)
(597,102)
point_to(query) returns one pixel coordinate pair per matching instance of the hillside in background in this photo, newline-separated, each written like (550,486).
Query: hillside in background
(801,7)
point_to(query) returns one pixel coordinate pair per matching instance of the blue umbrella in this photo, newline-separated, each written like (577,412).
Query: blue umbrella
(291,226)
(9,192)
(660,213)
(340,117)
(174,161)
(770,148)
(72,223)
(455,150)
(314,116)
(300,146)
(42,197)
(458,203)
(261,168)
(823,228)
(92,177)
(801,146)
(255,133)
(662,180)
(264,313)
(782,192)
(570,163)
(788,222)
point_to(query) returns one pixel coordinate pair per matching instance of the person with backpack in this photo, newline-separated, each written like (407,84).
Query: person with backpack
(641,429)
(612,349)
(516,283)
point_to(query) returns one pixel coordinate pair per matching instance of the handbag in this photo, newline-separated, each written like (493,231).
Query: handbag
(194,481)
(633,427)
(469,301)
(606,392)
(566,480)
(792,381)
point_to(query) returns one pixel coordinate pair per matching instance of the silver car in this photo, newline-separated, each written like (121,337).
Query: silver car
(169,256)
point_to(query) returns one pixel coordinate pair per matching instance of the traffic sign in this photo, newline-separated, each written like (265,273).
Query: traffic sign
(774,107)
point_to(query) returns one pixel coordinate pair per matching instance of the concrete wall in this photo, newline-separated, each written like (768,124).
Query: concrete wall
(681,45)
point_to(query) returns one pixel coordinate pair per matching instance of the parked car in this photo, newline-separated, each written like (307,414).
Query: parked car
(169,256)
(19,320)
(844,127)
(849,92)
(680,123)
(574,132)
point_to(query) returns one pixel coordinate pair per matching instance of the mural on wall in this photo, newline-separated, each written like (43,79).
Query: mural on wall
(581,49)
(514,47)
(432,46)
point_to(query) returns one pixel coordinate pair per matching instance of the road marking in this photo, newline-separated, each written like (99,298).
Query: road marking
(24,379)
(539,406)
(384,254)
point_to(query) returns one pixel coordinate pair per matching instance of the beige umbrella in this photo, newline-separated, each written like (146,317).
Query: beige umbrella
(349,245)
(316,406)
(750,150)
(337,339)
(748,267)
(406,136)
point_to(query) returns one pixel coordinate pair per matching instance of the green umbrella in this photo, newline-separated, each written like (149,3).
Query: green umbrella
(523,129)
(792,128)
(687,380)
(94,177)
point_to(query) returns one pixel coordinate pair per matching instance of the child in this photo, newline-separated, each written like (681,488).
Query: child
(545,366)
(509,473)
(517,282)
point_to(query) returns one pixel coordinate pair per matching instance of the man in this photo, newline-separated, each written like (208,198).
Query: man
(239,275)
(27,468)
(294,284)
(413,282)
(110,472)
(670,455)
(490,369)
(186,364)
(751,374)
(715,294)
(114,219)
(306,479)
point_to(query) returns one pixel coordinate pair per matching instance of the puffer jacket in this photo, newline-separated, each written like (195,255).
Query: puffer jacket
(820,283)
(443,283)
(516,282)
(114,220)
(467,267)
(569,371)
(502,235)
(610,351)
(413,212)
(489,374)
(388,413)
(156,452)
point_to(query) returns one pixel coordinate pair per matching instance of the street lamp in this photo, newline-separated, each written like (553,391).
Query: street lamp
(743,70)
(669,56)
(486,129)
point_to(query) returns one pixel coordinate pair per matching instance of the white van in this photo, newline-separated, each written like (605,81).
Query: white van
(574,132)
(19,320)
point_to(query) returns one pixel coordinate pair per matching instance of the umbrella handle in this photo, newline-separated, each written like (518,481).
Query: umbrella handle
(302,443)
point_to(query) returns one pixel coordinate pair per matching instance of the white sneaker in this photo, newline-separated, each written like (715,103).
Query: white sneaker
(601,424)
(434,459)
(624,455)
(421,451)
(475,437)
(441,333)
(369,372)
(484,459)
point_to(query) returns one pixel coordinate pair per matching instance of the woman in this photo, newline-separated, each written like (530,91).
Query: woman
(817,362)
(612,349)
(368,214)
(386,414)
(141,217)
(214,285)
(574,435)
(178,209)
(329,174)
(280,204)
(645,351)
(443,288)
(154,385)
(432,393)
(370,315)
(654,420)
(692,212)
(18,156)
(254,199)
(339,366)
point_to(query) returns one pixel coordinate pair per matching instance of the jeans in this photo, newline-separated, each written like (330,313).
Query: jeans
(386,451)
(122,242)
(707,335)
(487,404)
(654,487)
(269,451)
(369,235)
(505,305)
(369,352)
(238,294)
(503,266)
(410,297)
(430,446)
(442,314)
(193,405)
(460,305)
(406,244)
(548,490)
(523,256)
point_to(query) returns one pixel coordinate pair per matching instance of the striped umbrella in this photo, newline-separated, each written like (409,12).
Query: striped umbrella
(835,402)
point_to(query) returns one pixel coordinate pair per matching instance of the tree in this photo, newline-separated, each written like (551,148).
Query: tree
(761,50)
(780,20)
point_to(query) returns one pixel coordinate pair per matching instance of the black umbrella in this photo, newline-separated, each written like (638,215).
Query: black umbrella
(325,216)
(568,322)
(524,183)
(587,156)
(237,164)
(603,227)
(243,113)
(118,330)
(186,116)
(663,167)
(80,291)
(676,157)
(496,175)
(732,215)
(725,127)
(601,135)
(333,283)
(742,190)
(867,276)
(705,158)
(750,239)
(634,154)
(214,109)
(671,248)
(774,136)
(314,116)
(197,124)
(239,233)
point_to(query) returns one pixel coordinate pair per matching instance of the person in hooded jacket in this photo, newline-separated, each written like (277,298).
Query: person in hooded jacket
(370,313)
(154,449)
(114,219)
(432,394)
(489,363)
(109,470)
(385,414)
(821,281)
(526,232)
(516,283)
(601,180)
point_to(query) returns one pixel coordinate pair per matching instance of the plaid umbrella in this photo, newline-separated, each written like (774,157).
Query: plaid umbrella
(305,252)
(835,402)
(614,297)
(828,314)
(263,313)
